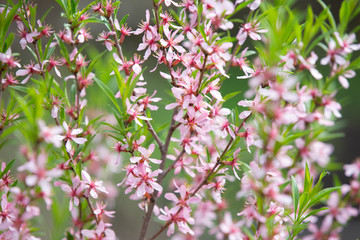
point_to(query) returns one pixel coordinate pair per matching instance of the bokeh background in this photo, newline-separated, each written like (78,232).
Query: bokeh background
(129,216)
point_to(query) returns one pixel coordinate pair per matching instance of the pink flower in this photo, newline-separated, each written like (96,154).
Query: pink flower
(30,69)
(6,214)
(143,180)
(179,219)
(249,136)
(183,163)
(250,29)
(102,232)
(346,43)
(145,102)
(231,230)
(105,36)
(49,134)
(92,186)
(74,191)
(217,188)
(353,170)
(333,55)
(8,59)
(83,35)
(145,155)
(100,211)
(144,26)
(184,200)
(52,63)
(254,106)
(150,40)
(172,41)
(26,37)
(135,113)
(309,64)
(70,135)
(234,163)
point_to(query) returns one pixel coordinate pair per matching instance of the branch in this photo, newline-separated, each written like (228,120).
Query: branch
(206,178)
(163,150)
(202,73)
(117,44)
(154,134)
(164,173)
(92,210)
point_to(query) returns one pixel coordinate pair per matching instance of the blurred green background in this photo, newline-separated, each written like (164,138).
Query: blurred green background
(128,216)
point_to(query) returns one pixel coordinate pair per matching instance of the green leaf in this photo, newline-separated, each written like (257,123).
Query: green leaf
(45,14)
(93,63)
(313,213)
(231,95)
(295,193)
(307,180)
(64,51)
(284,185)
(123,20)
(7,168)
(314,200)
(344,15)
(329,14)
(108,93)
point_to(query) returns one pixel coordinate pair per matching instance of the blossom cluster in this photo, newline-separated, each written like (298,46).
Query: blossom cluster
(267,150)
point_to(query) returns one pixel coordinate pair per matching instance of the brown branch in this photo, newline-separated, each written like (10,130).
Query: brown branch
(117,44)
(165,172)
(202,73)
(92,210)
(154,134)
(164,151)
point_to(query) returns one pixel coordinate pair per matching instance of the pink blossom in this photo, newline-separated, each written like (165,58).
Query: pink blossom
(92,186)
(309,64)
(135,113)
(106,37)
(172,41)
(6,214)
(30,69)
(8,59)
(26,37)
(150,40)
(250,29)
(231,230)
(74,191)
(346,43)
(143,180)
(100,211)
(184,200)
(145,155)
(353,170)
(333,55)
(49,134)
(144,26)
(179,219)
(102,232)
(70,135)
(183,163)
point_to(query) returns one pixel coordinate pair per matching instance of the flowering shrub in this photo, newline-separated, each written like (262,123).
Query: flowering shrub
(270,150)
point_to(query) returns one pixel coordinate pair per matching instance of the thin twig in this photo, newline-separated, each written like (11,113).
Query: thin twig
(202,73)
(154,134)
(117,44)
(165,172)
(92,210)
